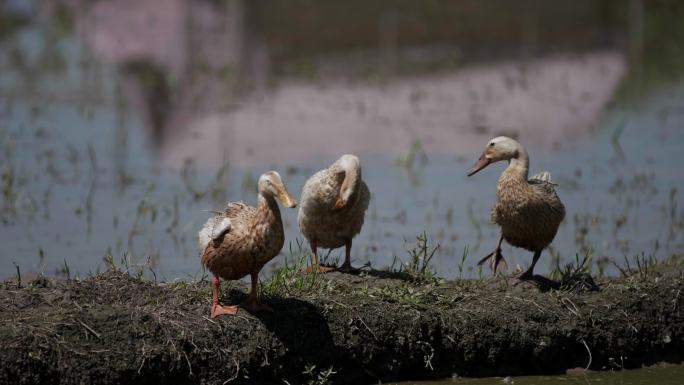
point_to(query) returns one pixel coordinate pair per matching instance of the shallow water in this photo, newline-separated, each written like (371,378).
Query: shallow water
(115,136)
(668,375)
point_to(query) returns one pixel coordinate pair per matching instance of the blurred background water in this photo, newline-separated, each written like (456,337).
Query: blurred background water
(121,120)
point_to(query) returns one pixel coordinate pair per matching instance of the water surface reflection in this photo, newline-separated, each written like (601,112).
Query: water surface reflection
(121,123)
(666,375)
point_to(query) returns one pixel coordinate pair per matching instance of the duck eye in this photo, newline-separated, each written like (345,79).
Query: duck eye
(491,144)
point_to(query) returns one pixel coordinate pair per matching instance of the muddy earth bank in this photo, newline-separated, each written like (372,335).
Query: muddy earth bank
(336,329)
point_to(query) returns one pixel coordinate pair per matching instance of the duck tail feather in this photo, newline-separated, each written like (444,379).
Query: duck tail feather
(212,211)
(543,176)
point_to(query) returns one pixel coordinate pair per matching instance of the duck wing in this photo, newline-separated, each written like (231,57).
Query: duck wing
(237,210)
(541,182)
(220,224)
(213,230)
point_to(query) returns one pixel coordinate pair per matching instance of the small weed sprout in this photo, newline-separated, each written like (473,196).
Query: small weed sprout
(579,266)
(108,260)
(18,274)
(575,274)
(420,255)
(461,263)
(65,271)
(328,260)
(130,264)
(642,268)
(601,264)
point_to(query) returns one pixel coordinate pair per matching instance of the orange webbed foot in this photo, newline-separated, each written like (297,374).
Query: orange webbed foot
(217,310)
(494,260)
(320,269)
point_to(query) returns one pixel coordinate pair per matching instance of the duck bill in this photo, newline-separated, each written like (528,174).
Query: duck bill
(481,163)
(286,198)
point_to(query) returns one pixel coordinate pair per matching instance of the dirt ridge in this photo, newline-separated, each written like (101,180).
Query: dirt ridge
(114,328)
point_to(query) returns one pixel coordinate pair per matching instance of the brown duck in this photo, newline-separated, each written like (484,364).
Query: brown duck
(528,211)
(242,239)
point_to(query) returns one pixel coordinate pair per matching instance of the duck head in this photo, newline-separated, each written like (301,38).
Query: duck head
(351,166)
(271,184)
(497,149)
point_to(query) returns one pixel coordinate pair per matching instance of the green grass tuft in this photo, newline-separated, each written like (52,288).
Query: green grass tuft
(420,253)
(289,281)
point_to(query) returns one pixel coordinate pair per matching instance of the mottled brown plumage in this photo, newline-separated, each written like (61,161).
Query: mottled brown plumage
(528,211)
(333,204)
(256,236)
(242,239)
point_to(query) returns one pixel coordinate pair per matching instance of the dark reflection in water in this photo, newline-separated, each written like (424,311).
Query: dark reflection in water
(666,375)
(122,120)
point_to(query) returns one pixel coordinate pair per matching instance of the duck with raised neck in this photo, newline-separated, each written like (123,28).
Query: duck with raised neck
(240,240)
(528,211)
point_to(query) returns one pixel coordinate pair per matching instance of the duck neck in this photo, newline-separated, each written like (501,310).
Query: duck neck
(351,181)
(267,209)
(518,166)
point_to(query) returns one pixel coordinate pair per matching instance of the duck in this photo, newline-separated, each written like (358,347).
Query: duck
(241,239)
(528,210)
(333,205)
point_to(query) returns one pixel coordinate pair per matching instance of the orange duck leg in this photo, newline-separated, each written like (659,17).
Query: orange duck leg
(216,308)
